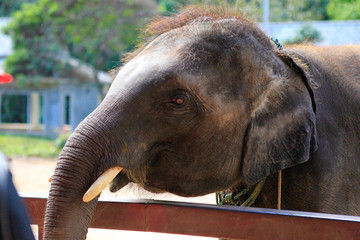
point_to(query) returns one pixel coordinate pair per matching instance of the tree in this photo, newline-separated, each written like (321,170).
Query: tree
(306,34)
(96,32)
(7,7)
(344,9)
(294,10)
(167,7)
(280,10)
(99,31)
(249,7)
(34,42)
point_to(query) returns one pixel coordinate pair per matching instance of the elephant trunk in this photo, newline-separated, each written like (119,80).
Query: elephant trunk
(67,215)
(106,140)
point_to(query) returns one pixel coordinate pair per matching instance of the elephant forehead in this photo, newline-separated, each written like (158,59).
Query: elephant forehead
(142,69)
(185,54)
(190,48)
(161,56)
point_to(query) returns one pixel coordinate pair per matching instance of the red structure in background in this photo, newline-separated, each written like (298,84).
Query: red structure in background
(5,77)
(211,221)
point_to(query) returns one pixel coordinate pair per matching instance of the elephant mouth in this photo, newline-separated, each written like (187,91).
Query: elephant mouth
(141,174)
(158,164)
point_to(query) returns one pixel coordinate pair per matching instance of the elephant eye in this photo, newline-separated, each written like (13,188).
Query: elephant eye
(179,106)
(178,100)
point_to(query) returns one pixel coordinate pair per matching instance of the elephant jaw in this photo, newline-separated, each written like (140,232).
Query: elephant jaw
(101,183)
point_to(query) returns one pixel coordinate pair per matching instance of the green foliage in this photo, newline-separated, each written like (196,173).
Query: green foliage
(7,7)
(344,9)
(14,146)
(34,43)
(96,32)
(168,6)
(61,140)
(306,34)
(250,7)
(294,10)
(280,10)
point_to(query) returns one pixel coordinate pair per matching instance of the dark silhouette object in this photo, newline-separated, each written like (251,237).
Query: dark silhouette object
(14,221)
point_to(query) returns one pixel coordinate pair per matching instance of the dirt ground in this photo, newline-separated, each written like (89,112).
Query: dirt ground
(32,175)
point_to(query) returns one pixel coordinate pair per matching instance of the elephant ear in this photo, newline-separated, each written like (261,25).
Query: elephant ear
(282,132)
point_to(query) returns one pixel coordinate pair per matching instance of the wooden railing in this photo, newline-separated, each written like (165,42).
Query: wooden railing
(211,220)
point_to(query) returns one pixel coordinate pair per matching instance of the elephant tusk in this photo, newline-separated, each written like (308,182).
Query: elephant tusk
(100,183)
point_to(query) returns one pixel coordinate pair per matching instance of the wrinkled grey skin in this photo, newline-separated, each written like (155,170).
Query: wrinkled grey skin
(205,108)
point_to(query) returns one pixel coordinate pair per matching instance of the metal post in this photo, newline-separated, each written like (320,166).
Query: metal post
(266,11)
(34,110)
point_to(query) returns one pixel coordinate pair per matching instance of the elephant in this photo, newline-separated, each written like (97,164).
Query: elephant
(208,103)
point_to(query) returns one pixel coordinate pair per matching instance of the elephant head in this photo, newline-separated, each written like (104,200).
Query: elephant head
(208,104)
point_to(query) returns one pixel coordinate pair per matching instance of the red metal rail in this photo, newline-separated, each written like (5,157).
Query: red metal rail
(212,221)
